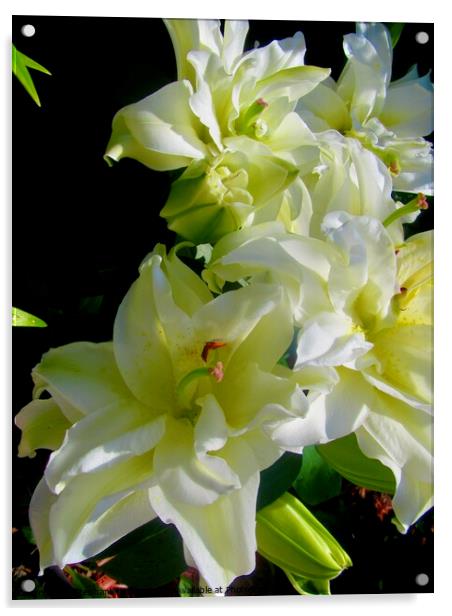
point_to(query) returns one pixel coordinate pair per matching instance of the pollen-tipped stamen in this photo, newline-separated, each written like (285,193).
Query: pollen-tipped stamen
(418,203)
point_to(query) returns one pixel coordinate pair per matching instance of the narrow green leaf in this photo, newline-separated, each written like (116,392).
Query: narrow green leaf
(278,478)
(317,481)
(20,65)
(20,318)
(395,30)
(148,557)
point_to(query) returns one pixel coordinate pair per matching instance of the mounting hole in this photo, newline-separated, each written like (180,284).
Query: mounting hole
(422,38)
(422,579)
(28,30)
(28,586)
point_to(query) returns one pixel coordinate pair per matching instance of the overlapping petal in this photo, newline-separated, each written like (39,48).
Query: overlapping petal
(219,536)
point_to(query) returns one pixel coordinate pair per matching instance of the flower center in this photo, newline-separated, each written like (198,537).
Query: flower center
(188,388)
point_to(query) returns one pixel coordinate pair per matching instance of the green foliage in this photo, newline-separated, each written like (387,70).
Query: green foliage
(87,587)
(91,305)
(28,534)
(395,30)
(186,586)
(20,65)
(317,481)
(345,456)
(20,318)
(148,557)
(278,478)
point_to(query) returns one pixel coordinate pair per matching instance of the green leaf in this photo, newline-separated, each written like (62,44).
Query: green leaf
(317,481)
(28,534)
(25,319)
(20,65)
(148,557)
(278,478)
(345,456)
(87,587)
(395,30)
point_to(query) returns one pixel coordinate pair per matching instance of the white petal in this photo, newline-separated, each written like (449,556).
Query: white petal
(234,40)
(246,396)
(324,102)
(408,109)
(365,282)
(101,440)
(40,505)
(401,438)
(220,536)
(211,430)
(84,374)
(329,416)
(86,498)
(140,342)
(201,101)
(188,290)
(239,318)
(189,34)
(160,131)
(328,340)
(196,479)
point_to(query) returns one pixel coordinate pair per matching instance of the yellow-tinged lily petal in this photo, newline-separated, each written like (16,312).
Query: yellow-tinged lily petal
(102,439)
(401,437)
(141,347)
(220,536)
(188,476)
(189,34)
(326,104)
(86,498)
(83,374)
(43,426)
(408,108)
(160,131)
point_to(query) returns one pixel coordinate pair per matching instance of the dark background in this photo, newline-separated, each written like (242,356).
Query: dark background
(81,228)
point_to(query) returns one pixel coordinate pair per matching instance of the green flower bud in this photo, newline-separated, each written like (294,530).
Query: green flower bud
(289,536)
(210,200)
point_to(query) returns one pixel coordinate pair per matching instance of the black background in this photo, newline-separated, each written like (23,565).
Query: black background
(81,228)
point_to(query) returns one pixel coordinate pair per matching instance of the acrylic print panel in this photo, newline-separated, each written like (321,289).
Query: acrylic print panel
(271,436)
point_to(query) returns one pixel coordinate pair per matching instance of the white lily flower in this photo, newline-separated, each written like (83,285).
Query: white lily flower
(348,178)
(388,301)
(390,119)
(364,347)
(176,418)
(227,108)
(221,92)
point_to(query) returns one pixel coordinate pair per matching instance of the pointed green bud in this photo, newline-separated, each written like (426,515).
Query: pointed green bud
(289,536)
